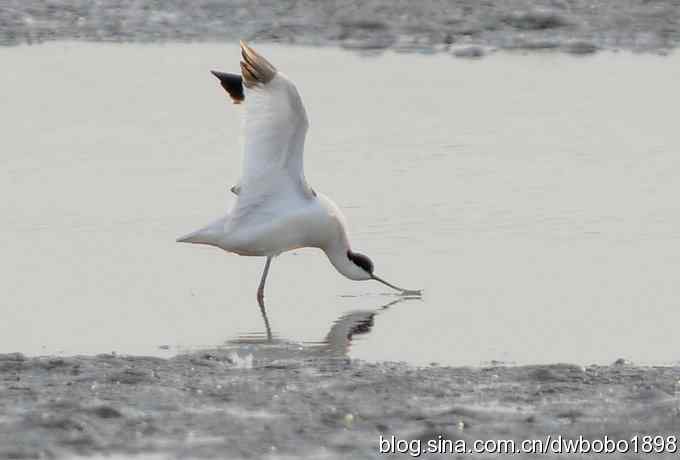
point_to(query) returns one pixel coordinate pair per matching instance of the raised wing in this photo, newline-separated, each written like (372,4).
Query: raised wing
(275,122)
(275,127)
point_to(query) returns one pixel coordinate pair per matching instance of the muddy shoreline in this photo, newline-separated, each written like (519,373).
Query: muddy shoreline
(464,28)
(209,403)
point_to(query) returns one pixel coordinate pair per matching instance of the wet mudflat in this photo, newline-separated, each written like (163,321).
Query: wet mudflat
(466,28)
(288,401)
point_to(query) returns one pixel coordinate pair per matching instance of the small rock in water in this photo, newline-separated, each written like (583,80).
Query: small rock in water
(581,47)
(348,420)
(106,412)
(241,363)
(469,52)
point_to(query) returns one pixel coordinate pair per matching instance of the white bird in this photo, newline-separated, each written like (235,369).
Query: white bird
(275,209)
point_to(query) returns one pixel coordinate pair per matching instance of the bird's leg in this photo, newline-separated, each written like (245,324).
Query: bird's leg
(266,322)
(260,289)
(260,298)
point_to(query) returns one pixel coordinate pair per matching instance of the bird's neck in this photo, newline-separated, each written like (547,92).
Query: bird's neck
(337,255)
(337,243)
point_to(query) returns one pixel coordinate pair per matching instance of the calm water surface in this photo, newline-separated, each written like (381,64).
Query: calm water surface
(534,198)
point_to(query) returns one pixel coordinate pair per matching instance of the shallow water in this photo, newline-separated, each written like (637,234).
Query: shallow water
(534,198)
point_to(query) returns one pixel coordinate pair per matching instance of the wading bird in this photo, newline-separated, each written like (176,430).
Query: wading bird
(275,209)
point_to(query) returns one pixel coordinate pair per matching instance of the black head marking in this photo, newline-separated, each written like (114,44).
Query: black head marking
(361,260)
(232,83)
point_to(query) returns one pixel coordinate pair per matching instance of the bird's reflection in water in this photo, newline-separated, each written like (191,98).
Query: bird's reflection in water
(335,344)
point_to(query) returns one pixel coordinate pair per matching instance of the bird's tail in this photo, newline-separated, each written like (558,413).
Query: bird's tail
(210,234)
(197,237)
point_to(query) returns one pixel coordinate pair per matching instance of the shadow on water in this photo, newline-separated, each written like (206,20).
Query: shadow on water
(335,344)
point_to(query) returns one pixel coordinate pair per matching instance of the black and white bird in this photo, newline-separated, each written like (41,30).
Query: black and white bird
(275,209)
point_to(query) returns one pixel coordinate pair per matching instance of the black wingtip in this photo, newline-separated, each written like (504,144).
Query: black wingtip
(232,83)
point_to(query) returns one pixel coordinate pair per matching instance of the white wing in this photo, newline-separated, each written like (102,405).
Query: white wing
(275,127)
(272,192)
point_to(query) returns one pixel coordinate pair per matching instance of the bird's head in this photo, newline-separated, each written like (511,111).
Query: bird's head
(362,269)
(361,266)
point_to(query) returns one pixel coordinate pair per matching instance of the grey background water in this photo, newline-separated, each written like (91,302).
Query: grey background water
(534,198)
